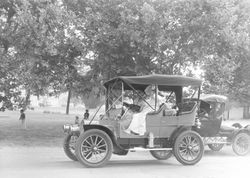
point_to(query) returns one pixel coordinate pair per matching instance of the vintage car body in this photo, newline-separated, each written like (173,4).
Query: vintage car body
(216,135)
(166,133)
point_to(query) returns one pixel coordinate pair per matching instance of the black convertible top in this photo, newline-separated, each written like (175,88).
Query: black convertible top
(156,79)
(215,98)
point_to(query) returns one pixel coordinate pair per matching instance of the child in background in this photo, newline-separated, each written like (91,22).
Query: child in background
(22,119)
(86,115)
(77,120)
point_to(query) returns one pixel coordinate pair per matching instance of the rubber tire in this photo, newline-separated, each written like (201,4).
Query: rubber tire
(85,135)
(242,134)
(67,149)
(215,148)
(176,149)
(155,154)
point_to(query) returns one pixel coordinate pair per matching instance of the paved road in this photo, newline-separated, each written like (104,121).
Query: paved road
(50,162)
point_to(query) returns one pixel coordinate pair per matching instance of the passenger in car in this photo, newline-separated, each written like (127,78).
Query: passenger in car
(138,123)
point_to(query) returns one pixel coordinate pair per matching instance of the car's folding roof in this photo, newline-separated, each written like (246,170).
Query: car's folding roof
(163,81)
(214,98)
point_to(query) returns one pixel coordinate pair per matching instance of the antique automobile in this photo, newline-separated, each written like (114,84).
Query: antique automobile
(214,133)
(170,128)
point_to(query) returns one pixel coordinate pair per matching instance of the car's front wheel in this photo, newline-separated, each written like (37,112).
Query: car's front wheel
(69,146)
(94,148)
(188,148)
(241,144)
(161,154)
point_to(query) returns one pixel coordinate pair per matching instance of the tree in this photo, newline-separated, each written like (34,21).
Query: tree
(53,41)
(228,73)
(10,91)
(46,45)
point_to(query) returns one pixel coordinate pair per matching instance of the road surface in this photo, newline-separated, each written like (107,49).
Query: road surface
(51,162)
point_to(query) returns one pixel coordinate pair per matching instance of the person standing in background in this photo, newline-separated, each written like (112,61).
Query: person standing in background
(86,115)
(22,118)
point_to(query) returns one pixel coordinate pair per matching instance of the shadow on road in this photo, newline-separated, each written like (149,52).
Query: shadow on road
(112,164)
(144,163)
(209,153)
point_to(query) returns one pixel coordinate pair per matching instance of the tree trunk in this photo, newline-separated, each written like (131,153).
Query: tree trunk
(27,98)
(246,114)
(68,101)
(228,114)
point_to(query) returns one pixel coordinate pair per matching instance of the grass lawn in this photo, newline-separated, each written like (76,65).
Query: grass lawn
(42,129)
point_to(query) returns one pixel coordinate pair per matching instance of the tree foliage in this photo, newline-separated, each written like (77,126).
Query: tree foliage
(46,46)
(77,45)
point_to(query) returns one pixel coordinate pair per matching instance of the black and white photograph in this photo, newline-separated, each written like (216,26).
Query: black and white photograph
(124,88)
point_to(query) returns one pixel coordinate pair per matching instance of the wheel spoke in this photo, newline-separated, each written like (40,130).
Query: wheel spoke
(86,146)
(101,151)
(189,140)
(194,141)
(104,145)
(183,144)
(89,154)
(183,152)
(101,140)
(86,140)
(96,138)
(86,151)
(91,139)
(185,140)
(194,153)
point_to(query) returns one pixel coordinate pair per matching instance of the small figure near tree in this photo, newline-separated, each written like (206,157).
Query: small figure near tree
(86,115)
(22,118)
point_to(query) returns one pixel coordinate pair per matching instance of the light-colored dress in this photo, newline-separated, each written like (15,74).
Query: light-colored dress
(138,123)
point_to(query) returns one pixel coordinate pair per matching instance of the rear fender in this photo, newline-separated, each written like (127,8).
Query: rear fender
(177,132)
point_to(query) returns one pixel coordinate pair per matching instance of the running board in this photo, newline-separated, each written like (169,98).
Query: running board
(148,149)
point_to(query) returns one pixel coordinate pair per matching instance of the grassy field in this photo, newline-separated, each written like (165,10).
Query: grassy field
(43,129)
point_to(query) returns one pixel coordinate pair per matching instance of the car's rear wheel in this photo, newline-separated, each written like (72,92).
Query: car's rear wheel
(69,146)
(188,148)
(94,148)
(161,154)
(215,146)
(241,144)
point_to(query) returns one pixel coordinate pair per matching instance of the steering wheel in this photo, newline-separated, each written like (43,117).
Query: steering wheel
(132,107)
(126,104)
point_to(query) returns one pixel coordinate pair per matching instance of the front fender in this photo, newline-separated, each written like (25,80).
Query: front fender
(238,131)
(112,134)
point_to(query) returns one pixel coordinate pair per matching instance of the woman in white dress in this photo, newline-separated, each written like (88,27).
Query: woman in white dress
(138,123)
